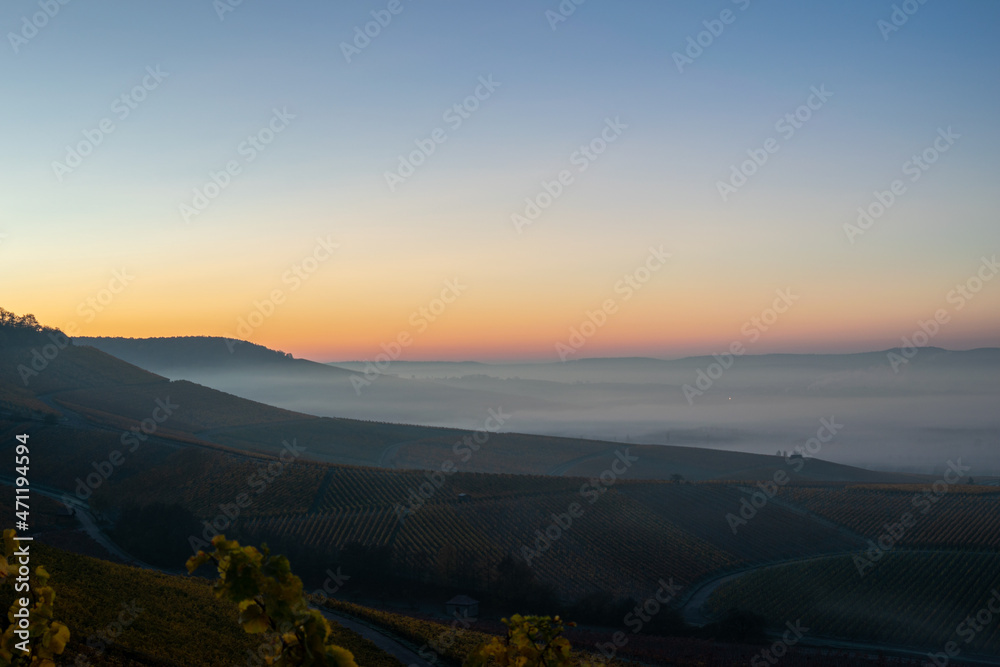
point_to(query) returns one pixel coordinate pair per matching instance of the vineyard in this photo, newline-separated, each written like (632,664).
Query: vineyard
(454,644)
(910,598)
(962,516)
(202,480)
(474,536)
(773,533)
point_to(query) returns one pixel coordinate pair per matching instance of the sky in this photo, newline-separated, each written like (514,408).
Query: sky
(494,180)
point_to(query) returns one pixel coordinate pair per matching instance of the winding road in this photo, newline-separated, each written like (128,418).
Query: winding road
(694,613)
(394,646)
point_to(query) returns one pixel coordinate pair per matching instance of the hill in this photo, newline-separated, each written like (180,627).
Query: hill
(360,442)
(897,416)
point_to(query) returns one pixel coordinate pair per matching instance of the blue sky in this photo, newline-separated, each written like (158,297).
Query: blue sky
(325,173)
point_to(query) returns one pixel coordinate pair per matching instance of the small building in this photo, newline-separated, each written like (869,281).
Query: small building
(462,606)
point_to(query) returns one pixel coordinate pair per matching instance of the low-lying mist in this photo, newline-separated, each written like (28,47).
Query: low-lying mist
(931,408)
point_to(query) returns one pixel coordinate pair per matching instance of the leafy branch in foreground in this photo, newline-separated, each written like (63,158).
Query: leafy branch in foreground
(32,638)
(531,641)
(271,602)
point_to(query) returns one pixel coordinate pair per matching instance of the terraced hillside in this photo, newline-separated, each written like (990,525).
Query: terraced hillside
(910,598)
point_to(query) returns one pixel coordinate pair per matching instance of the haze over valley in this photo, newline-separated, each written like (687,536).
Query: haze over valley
(896,421)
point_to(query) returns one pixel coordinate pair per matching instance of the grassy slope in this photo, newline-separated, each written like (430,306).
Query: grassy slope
(181,623)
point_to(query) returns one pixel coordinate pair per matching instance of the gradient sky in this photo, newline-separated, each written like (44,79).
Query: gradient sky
(656,185)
